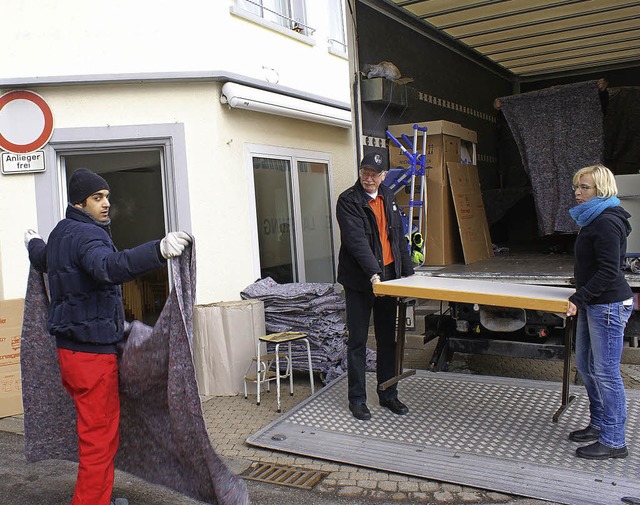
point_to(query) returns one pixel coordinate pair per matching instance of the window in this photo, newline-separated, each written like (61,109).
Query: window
(294,219)
(289,14)
(337,38)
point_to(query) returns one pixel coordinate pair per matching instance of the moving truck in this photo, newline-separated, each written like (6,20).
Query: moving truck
(444,65)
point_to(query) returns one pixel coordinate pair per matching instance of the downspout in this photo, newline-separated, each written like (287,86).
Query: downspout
(354,70)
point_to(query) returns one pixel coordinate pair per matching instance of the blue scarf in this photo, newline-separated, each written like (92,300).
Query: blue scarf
(586,212)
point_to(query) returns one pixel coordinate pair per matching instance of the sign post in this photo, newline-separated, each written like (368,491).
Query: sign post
(13,163)
(26,125)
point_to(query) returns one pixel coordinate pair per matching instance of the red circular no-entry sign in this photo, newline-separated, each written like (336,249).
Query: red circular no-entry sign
(26,122)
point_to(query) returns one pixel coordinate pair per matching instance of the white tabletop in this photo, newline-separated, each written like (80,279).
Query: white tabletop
(483,292)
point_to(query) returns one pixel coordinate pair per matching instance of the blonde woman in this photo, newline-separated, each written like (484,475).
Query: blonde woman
(603,303)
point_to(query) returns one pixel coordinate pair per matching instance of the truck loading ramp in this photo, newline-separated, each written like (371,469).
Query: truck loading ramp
(487,432)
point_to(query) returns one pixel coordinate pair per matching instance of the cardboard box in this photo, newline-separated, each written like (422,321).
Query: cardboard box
(471,217)
(11,312)
(225,335)
(468,140)
(446,142)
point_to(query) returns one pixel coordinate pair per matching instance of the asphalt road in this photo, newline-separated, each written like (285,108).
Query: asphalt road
(52,482)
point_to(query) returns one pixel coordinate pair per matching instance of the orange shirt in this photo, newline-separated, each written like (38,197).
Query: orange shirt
(377,204)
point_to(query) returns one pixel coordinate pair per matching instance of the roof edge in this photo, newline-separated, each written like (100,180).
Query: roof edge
(148,77)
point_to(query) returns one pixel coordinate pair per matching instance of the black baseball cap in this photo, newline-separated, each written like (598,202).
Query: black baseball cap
(374,161)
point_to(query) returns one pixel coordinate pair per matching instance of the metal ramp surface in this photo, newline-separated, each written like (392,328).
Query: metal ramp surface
(487,432)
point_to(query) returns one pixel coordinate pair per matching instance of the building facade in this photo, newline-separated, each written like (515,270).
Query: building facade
(229,119)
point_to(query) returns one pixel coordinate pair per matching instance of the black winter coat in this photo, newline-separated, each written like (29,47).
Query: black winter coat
(599,254)
(360,254)
(85,271)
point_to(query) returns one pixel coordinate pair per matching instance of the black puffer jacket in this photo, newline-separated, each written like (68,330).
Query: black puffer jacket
(599,254)
(360,250)
(85,272)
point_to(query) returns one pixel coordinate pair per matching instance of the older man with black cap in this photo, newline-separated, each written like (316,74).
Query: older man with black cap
(373,248)
(86,317)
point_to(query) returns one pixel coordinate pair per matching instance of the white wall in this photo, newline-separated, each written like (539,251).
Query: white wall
(17,214)
(77,37)
(221,203)
(238,128)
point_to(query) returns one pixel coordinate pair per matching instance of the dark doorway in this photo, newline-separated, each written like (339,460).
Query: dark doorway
(137,216)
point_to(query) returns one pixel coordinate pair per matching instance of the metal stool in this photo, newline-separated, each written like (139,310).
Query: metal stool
(264,362)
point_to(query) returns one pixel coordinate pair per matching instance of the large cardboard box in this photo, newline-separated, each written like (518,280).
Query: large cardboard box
(225,335)
(468,141)
(446,142)
(472,219)
(11,312)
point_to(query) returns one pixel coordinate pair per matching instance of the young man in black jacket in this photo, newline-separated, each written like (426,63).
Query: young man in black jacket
(373,249)
(86,317)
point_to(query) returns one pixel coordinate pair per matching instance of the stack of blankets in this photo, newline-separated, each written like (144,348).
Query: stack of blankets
(312,308)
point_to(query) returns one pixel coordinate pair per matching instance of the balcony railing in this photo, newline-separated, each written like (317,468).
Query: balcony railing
(286,21)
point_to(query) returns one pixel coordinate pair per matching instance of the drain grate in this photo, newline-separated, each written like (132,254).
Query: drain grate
(284,475)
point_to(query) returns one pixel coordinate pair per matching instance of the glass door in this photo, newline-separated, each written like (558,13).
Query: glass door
(276,227)
(294,219)
(315,212)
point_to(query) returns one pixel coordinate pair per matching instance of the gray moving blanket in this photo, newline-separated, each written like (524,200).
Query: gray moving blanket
(163,437)
(558,131)
(622,131)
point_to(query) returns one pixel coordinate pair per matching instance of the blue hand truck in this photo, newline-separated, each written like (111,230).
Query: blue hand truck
(398,178)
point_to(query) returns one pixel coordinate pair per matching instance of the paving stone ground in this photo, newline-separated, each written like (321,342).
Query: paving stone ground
(230,420)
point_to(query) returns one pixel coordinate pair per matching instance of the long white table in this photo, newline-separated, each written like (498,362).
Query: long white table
(483,292)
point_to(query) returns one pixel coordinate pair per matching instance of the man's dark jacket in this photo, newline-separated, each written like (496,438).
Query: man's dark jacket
(85,271)
(360,250)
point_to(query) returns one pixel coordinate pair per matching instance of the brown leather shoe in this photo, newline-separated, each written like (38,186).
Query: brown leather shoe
(589,434)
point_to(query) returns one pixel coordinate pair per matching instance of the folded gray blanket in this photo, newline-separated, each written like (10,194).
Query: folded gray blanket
(163,437)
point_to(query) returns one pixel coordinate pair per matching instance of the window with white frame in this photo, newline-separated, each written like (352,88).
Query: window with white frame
(294,217)
(290,14)
(337,38)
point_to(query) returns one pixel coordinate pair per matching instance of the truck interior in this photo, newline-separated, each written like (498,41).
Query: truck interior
(462,62)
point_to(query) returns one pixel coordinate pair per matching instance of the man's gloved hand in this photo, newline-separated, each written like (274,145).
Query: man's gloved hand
(28,235)
(174,243)
(375,279)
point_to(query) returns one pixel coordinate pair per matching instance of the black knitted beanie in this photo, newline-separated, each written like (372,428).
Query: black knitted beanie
(84,183)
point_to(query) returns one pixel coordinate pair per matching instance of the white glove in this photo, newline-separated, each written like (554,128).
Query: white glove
(28,235)
(174,243)
(375,279)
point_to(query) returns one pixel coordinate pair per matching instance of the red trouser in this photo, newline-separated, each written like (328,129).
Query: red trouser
(92,381)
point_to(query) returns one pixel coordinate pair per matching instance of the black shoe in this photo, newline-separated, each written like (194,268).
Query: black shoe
(360,411)
(589,434)
(395,406)
(599,451)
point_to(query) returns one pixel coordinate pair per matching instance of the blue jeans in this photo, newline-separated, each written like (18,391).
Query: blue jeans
(599,339)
